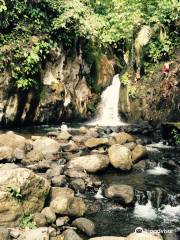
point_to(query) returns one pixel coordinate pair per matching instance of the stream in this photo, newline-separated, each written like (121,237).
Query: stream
(157,191)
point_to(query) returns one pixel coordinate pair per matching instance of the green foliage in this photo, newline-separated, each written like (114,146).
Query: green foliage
(158,50)
(97,23)
(175,136)
(16,193)
(2,6)
(25,71)
(125,80)
(27,221)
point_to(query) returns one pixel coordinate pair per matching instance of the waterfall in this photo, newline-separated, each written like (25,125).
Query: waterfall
(109,106)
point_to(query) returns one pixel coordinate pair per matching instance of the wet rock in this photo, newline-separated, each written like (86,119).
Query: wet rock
(40,220)
(60,192)
(85,225)
(72,206)
(42,233)
(80,138)
(32,188)
(4,234)
(89,163)
(124,193)
(120,157)
(70,234)
(70,147)
(59,181)
(78,185)
(170,236)
(122,138)
(64,135)
(74,173)
(49,215)
(143,236)
(61,221)
(140,166)
(95,142)
(139,152)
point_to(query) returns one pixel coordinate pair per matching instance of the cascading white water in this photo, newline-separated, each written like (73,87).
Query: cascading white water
(109,106)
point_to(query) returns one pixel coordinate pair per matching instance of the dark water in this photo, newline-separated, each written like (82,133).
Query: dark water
(115,220)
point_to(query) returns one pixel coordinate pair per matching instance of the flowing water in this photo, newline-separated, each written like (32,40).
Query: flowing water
(108,109)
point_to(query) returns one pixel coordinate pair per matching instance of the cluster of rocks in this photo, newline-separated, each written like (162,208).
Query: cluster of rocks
(41,176)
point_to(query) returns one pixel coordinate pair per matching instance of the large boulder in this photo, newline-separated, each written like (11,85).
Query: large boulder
(12,146)
(12,140)
(123,192)
(120,157)
(89,163)
(46,145)
(95,142)
(72,206)
(139,152)
(85,225)
(144,236)
(122,138)
(21,192)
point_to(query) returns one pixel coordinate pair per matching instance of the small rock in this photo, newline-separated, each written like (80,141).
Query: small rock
(59,181)
(123,192)
(140,166)
(61,191)
(85,225)
(61,221)
(64,135)
(70,234)
(138,153)
(122,138)
(55,171)
(40,220)
(109,238)
(74,173)
(70,147)
(95,142)
(83,130)
(78,185)
(49,215)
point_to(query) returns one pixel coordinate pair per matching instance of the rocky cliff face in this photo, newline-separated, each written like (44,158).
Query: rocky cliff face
(64,91)
(156,98)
